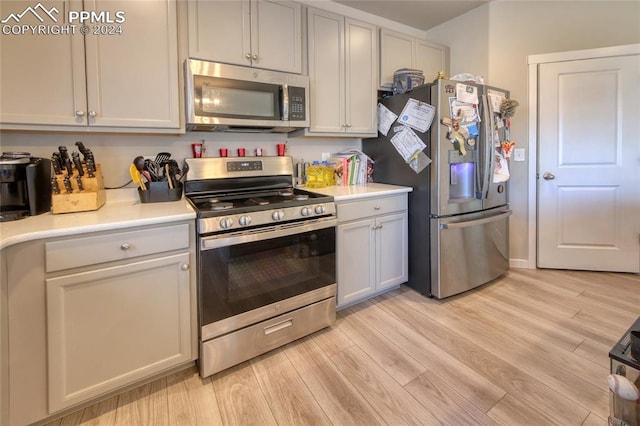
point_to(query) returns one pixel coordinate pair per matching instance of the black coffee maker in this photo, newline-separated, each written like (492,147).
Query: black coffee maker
(25,185)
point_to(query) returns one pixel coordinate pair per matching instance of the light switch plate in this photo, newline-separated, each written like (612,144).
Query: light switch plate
(518,154)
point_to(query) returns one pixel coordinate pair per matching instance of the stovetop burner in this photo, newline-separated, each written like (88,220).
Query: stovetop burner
(217,205)
(206,204)
(231,194)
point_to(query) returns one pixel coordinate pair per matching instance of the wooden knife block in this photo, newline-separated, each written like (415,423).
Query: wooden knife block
(91,198)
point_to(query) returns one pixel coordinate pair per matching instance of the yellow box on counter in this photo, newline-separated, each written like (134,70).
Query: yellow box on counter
(91,197)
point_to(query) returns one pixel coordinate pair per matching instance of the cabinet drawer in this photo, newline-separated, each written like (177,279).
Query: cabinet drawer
(77,252)
(371,207)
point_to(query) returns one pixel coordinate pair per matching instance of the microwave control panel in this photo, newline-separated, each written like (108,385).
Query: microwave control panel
(296,104)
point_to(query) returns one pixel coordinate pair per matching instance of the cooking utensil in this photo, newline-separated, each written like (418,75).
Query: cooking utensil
(135,177)
(67,184)
(139,163)
(79,182)
(185,170)
(54,185)
(161,157)
(168,174)
(154,170)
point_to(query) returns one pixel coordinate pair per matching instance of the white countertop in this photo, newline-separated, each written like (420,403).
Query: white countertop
(123,209)
(353,192)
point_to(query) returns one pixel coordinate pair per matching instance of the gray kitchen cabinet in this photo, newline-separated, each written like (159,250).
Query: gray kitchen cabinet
(258,33)
(343,61)
(120,76)
(372,244)
(96,313)
(399,50)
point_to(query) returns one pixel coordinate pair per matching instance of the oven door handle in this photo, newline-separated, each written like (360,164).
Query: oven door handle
(260,234)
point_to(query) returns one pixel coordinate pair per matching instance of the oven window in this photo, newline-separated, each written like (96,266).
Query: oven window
(240,278)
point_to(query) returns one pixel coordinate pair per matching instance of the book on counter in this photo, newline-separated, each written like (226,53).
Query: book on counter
(352,167)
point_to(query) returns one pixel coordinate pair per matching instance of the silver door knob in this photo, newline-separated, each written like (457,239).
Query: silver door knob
(80,113)
(92,113)
(248,55)
(185,267)
(548,176)
(254,57)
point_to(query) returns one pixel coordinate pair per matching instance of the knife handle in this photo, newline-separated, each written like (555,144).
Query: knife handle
(91,168)
(56,166)
(81,147)
(76,161)
(54,185)
(79,182)
(67,184)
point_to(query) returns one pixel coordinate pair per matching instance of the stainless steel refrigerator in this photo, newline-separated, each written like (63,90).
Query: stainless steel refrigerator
(458,210)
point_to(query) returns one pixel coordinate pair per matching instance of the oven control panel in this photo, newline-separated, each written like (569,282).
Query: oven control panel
(264,217)
(244,166)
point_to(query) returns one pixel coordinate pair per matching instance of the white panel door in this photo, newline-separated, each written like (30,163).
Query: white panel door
(589,164)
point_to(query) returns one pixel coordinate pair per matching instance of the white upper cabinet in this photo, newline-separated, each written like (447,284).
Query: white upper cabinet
(403,51)
(117,75)
(343,65)
(259,33)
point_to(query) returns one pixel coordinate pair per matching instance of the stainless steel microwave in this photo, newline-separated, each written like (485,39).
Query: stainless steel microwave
(222,97)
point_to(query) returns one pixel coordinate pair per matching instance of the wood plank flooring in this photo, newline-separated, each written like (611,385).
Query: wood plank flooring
(529,348)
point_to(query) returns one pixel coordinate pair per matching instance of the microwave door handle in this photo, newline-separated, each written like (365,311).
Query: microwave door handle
(285,102)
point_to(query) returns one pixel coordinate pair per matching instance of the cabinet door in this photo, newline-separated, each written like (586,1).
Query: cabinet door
(431,58)
(276,35)
(396,51)
(326,72)
(132,78)
(111,327)
(391,250)
(355,250)
(361,59)
(220,31)
(43,76)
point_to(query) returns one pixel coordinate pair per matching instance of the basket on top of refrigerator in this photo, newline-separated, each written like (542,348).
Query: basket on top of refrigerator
(406,79)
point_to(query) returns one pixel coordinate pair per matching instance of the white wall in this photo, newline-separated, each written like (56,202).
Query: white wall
(504,34)
(116,152)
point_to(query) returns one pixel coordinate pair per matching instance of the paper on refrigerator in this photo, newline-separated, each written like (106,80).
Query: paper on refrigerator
(385,119)
(417,114)
(410,148)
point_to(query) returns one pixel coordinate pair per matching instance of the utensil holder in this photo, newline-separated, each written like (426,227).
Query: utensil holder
(159,192)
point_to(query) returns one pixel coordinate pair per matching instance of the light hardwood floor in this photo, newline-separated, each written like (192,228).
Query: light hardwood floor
(531,348)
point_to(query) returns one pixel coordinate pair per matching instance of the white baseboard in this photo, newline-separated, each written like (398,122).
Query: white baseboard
(520,264)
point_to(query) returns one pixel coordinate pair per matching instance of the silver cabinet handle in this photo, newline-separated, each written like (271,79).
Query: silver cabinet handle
(254,57)
(376,208)
(79,113)
(185,267)
(125,246)
(248,56)
(548,176)
(92,113)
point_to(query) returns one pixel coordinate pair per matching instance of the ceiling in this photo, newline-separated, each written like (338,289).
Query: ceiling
(420,14)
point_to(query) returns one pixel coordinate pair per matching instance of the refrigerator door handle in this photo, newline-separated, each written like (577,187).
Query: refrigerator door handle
(487,147)
(476,222)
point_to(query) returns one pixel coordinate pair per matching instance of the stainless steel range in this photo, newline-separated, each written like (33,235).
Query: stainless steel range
(266,257)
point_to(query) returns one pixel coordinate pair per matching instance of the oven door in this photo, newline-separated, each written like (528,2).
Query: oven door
(249,276)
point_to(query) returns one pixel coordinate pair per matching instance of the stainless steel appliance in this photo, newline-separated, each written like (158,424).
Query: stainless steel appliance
(25,185)
(266,257)
(222,97)
(624,361)
(458,213)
